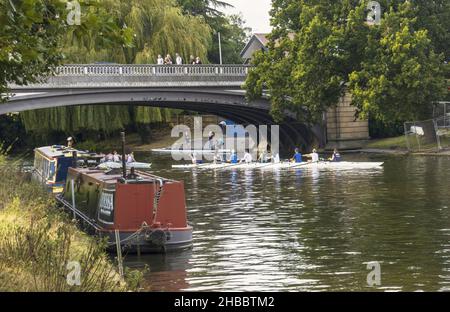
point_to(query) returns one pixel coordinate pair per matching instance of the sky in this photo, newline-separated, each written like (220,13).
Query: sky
(255,13)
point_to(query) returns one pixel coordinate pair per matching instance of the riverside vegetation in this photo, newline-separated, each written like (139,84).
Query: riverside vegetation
(38,240)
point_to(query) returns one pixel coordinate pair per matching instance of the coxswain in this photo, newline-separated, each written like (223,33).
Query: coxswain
(336,156)
(297,158)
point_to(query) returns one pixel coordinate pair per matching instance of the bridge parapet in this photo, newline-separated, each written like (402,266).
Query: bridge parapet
(104,76)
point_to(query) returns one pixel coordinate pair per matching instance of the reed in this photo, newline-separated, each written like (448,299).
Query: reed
(38,240)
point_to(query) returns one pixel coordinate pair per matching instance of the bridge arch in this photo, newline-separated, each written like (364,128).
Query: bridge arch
(214,89)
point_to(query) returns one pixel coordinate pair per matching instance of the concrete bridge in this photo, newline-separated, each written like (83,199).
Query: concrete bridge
(212,89)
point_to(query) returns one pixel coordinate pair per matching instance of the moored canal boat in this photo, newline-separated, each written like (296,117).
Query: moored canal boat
(148,211)
(51,164)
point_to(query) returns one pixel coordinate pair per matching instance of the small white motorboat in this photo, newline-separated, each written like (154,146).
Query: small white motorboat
(117,165)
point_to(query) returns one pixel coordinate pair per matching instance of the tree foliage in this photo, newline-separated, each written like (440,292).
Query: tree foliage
(318,49)
(158,27)
(232,31)
(31,33)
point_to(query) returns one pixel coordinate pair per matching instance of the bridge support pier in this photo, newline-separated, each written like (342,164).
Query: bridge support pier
(343,129)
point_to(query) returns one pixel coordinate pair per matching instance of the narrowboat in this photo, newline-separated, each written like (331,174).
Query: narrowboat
(148,211)
(51,164)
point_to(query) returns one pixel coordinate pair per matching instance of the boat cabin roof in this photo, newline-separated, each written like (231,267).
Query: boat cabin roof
(56,151)
(111,177)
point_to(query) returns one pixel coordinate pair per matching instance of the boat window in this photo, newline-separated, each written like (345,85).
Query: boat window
(52,171)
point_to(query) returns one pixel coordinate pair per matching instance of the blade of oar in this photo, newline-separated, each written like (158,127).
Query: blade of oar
(220,166)
(301,165)
(266,165)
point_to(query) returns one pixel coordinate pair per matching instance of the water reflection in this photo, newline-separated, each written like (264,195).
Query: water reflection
(312,229)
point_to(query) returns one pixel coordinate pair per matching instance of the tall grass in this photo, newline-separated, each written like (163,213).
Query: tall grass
(38,240)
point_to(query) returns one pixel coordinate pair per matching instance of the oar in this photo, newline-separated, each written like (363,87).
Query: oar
(300,165)
(267,165)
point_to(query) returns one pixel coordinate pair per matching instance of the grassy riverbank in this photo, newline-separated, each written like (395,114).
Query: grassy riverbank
(39,243)
(160,139)
(395,143)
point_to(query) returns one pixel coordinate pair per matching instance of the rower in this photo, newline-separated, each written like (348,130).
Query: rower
(336,156)
(297,156)
(262,157)
(276,158)
(194,159)
(314,156)
(234,157)
(247,157)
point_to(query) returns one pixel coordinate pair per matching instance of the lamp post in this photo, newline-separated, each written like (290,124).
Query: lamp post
(220,49)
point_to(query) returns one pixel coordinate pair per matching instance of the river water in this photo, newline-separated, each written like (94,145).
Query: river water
(297,230)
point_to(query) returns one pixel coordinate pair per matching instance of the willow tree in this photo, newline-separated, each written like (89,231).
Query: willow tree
(158,27)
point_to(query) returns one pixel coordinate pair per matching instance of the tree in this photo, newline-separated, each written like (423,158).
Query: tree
(206,8)
(31,33)
(157,27)
(231,28)
(319,49)
(402,75)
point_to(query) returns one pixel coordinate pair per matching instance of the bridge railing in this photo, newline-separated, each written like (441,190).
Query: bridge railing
(152,70)
(116,75)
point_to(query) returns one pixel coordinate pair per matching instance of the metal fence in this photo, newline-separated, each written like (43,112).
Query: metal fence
(441,109)
(431,135)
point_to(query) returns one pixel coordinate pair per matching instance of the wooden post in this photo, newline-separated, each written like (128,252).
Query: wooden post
(119,253)
(73,198)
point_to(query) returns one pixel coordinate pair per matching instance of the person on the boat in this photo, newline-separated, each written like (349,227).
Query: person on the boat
(217,157)
(234,157)
(109,157)
(69,142)
(297,158)
(247,157)
(194,159)
(211,136)
(130,158)
(276,159)
(336,156)
(314,156)
(263,157)
(116,157)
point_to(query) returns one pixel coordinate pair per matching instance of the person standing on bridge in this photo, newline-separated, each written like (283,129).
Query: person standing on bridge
(178,59)
(160,60)
(168,60)
(192,60)
(198,61)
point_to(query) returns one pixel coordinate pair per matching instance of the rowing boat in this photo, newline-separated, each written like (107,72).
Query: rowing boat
(341,165)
